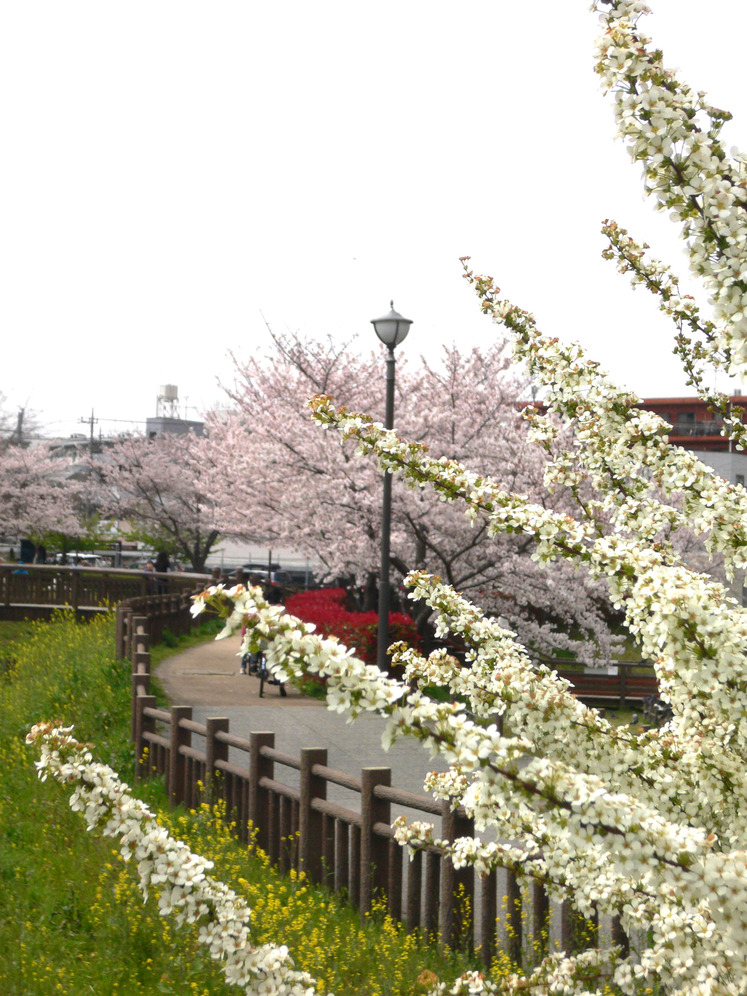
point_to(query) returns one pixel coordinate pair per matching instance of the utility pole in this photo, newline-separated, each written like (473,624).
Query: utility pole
(91,421)
(16,438)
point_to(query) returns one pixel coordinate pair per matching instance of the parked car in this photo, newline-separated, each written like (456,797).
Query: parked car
(263,576)
(81,559)
(300,578)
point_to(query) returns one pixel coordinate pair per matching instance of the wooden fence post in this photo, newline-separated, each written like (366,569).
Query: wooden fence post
(622,671)
(214,751)
(540,920)
(75,590)
(178,622)
(259,767)
(155,617)
(354,867)
(394,879)
(119,634)
(432,893)
(177,767)
(576,932)
(514,931)
(456,886)
(6,578)
(140,685)
(127,634)
(414,891)
(309,820)
(342,856)
(143,724)
(140,641)
(374,849)
(488,916)
(619,937)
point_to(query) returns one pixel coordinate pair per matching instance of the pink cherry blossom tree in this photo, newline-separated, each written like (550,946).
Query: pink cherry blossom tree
(157,487)
(35,497)
(277,477)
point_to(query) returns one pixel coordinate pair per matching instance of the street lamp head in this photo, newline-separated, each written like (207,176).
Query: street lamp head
(392,329)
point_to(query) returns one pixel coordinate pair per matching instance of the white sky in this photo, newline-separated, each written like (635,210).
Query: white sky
(174,171)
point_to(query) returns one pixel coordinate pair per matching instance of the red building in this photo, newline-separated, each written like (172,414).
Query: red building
(693,426)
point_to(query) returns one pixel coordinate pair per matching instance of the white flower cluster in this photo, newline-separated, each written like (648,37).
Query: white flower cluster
(625,822)
(180,877)
(619,451)
(650,825)
(698,339)
(556,974)
(674,133)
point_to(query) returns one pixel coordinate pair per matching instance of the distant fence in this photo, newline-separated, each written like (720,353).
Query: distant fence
(280,803)
(154,614)
(627,684)
(37,590)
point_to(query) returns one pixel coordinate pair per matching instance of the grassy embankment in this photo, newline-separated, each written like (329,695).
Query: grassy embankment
(72,920)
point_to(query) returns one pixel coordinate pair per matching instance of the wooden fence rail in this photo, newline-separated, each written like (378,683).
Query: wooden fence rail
(37,590)
(281,803)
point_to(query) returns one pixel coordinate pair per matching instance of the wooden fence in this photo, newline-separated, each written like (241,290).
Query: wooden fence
(37,590)
(626,685)
(152,615)
(280,803)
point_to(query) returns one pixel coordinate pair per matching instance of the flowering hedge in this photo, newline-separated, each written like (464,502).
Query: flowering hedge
(325,608)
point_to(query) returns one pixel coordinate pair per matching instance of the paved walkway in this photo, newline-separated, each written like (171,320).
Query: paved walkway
(208,679)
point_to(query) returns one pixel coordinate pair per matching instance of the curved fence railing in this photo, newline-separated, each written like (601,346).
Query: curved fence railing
(290,806)
(36,590)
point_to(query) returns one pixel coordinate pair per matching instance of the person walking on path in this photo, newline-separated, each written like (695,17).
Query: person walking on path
(273,597)
(161,567)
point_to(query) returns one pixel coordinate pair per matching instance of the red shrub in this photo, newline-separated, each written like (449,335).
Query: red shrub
(325,607)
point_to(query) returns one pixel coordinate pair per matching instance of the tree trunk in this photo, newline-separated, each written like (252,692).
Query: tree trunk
(370,598)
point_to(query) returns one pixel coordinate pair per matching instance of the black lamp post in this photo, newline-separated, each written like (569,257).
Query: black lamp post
(392,329)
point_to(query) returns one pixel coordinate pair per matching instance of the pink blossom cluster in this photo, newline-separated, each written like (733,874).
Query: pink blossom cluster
(273,475)
(35,495)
